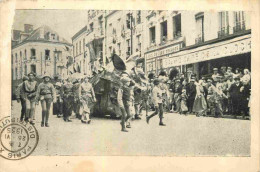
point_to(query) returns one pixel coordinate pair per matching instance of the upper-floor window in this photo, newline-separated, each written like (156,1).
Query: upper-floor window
(16,59)
(163,31)
(223,24)
(239,21)
(119,48)
(12,59)
(33,53)
(33,68)
(16,73)
(79,47)
(199,27)
(25,54)
(128,20)
(21,56)
(47,55)
(152,35)
(138,43)
(76,49)
(25,69)
(84,46)
(128,51)
(91,27)
(74,52)
(138,17)
(58,55)
(177,26)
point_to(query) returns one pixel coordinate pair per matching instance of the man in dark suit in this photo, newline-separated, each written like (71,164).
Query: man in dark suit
(236,96)
(191,92)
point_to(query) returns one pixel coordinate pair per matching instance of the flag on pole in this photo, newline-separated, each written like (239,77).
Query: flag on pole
(91,51)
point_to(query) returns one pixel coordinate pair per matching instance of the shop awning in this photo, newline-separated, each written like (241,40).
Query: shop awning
(239,45)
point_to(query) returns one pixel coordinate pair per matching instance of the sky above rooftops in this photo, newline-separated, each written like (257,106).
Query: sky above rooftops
(65,22)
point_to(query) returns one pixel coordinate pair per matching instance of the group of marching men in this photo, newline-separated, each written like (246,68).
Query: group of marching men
(72,95)
(223,92)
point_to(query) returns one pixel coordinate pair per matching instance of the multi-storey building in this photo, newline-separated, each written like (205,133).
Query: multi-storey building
(88,44)
(196,42)
(124,34)
(40,51)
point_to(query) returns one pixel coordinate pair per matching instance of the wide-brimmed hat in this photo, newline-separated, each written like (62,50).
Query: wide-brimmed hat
(46,75)
(32,73)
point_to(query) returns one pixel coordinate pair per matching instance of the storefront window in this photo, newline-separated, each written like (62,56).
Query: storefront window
(177,26)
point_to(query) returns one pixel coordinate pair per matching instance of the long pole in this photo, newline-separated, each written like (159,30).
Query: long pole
(131,27)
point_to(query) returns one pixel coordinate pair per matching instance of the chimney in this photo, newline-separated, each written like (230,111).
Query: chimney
(16,35)
(28,28)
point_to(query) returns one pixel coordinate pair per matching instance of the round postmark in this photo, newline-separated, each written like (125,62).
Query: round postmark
(17,139)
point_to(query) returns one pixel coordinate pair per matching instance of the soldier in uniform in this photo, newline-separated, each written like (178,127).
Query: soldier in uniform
(30,88)
(157,100)
(46,94)
(124,100)
(21,98)
(236,96)
(68,98)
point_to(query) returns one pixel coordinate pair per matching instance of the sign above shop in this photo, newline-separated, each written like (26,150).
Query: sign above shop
(209,53)
(157,53)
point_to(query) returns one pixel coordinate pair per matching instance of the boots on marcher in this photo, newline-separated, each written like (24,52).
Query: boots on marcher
(47,119)
(161,123)
(123,127)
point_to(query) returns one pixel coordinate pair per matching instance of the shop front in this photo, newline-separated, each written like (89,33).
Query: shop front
(154,59)
(235,53)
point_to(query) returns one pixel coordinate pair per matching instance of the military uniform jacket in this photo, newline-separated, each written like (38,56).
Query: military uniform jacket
(66,90)
(46,91)
(29,88)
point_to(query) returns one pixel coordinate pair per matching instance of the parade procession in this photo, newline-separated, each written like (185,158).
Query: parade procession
(134,65)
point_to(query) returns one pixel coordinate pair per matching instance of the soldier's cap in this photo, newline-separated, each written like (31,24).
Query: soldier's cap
(215,69)
(46,75)
(229,68)
(156,81)
(32,73)
(223,67)
(25,78)
(192,80)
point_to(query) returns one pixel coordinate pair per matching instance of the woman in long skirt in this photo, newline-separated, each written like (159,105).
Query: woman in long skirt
(87,99)
(200,104)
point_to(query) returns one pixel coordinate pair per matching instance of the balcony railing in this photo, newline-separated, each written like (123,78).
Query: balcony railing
(239,27)
(33,58)
(199,40)
(224,31)
(177,35)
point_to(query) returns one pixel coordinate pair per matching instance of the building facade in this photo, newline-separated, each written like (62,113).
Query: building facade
(196,42)
(40,51)
(88,44)
(125,34)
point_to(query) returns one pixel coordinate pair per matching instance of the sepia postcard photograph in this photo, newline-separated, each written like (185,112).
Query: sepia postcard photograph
(138,82)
